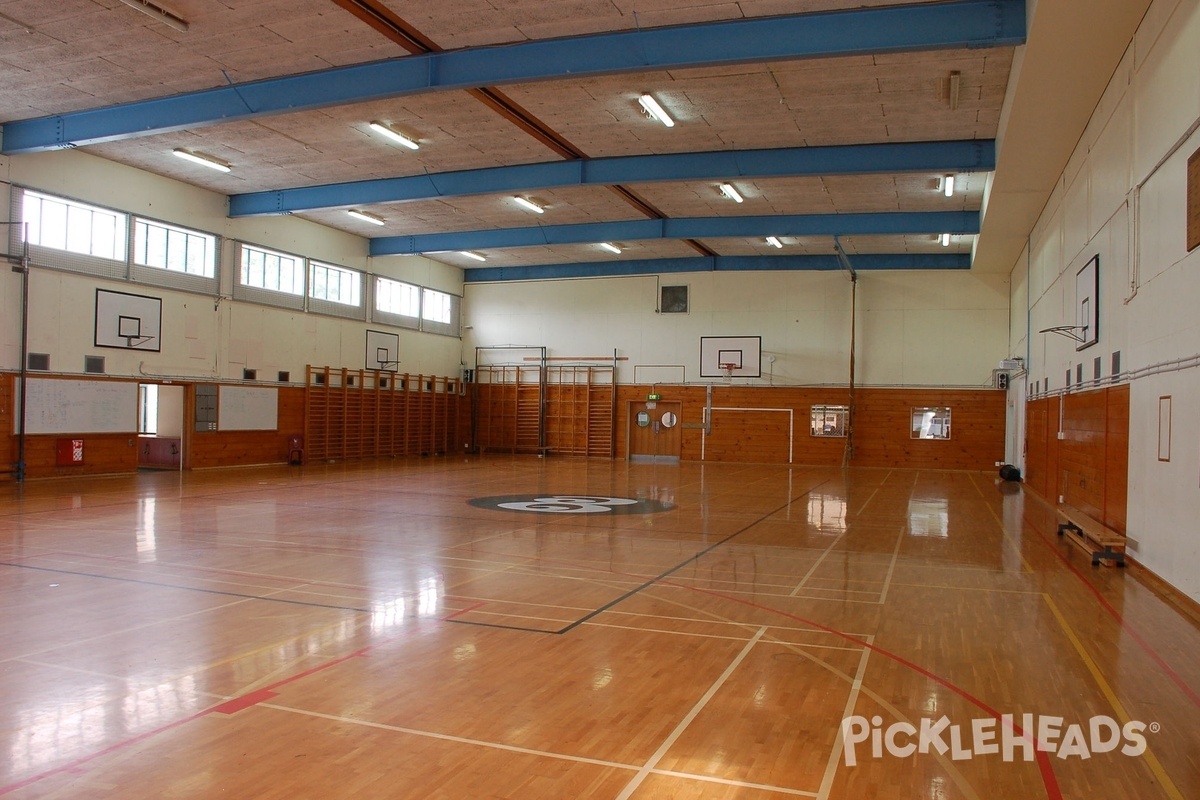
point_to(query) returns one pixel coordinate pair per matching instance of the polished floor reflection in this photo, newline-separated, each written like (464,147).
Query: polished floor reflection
(583,629)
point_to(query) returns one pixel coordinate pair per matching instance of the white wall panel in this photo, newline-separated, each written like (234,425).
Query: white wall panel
(1149,285)
(1167,85)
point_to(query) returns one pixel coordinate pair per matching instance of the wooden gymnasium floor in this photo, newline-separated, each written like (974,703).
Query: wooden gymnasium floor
(362,631)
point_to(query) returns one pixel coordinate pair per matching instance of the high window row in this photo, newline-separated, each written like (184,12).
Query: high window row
(68,234)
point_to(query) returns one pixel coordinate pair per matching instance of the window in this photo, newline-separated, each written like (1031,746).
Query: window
(156,244)
(435,306)
(394,297)
(266,269)
(74,227)
(335,284)
(829,420)
(931,423)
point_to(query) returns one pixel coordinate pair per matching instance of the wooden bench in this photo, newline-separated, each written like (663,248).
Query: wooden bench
(1094,538)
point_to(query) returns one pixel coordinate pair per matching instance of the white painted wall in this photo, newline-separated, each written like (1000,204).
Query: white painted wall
(203,337)
(914,328)
(1123,197)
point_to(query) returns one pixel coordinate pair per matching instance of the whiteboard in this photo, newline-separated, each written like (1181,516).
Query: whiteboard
(71,406)
(247,408)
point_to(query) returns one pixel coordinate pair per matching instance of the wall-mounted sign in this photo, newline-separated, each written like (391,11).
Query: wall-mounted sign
(654,396)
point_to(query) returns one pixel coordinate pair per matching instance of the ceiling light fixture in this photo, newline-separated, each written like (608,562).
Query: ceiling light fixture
(651,107)
(953,89)
(730,192)
(161,14)
(948,185)
(395,136)
(945,240)
(475,256)
(529,204)
(774,242)
(612,248)
(365,217)
(203,160)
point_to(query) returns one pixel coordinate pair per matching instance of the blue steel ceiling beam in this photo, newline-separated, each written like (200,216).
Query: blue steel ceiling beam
(888,223)
(666,266)
(952,156)
(892,29)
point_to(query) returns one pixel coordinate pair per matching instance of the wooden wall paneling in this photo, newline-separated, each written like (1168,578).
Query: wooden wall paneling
(1037,433)
(1054,479)
(1082,454)
(103,454)
(405,401)
(750,435)
(882,428)
(1116,459)
(239,448)
(8,440)
(882,423)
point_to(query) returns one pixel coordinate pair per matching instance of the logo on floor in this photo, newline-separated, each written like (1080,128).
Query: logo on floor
(571,504)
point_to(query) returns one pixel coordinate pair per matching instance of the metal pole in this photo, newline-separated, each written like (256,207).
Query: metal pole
(24,270)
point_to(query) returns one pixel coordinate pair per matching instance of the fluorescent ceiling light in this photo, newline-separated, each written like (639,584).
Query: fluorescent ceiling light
(655,110)
(945,240)
(948,185)
(730,192)
(197,158)
(365,217)
(399,138)
(529,204)
(161,14)
(612,248)
(771,240)
(475,256)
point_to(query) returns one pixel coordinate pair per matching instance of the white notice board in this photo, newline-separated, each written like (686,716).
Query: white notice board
(72,406)
(247,408)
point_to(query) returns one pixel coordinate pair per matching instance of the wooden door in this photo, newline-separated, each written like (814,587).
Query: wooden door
(655,430)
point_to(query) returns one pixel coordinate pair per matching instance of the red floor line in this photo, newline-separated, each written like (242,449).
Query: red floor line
(466,610)
(1049,779)
(227,707)
(1171,674)
(1044,766)
(75,766)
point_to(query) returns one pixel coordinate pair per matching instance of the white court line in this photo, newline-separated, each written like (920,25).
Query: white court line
(836,755)
(445,737)
(646,769)
(816,564)
(887,582)
(729,782)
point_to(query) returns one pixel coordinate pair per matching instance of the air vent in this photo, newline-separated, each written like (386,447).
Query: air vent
(93,364)
(673,300)
(39,361)
(284,376)
(318,379)
(249,374)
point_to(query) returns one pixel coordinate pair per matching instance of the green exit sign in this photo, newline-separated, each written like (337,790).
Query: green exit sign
(654,396)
